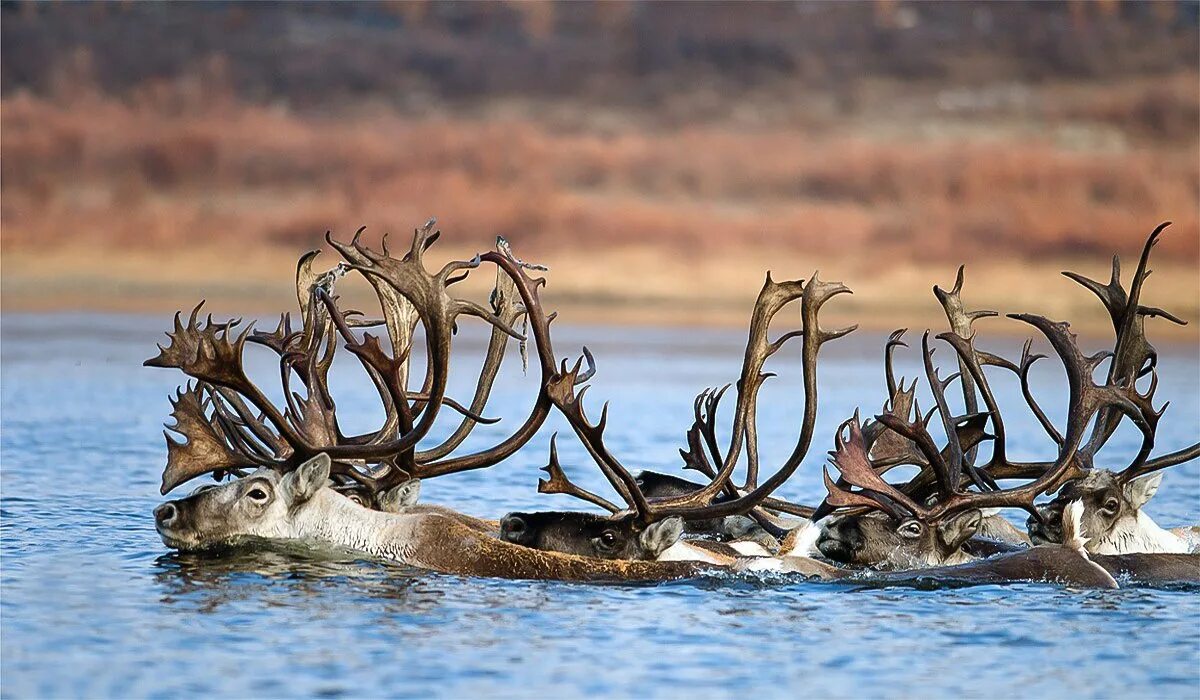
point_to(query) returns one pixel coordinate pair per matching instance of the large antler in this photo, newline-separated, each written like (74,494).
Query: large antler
(702,503)
(1133,357)
(1086,400)
(229,424)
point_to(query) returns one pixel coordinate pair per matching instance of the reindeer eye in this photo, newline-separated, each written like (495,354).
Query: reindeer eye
(608,538)
(257,494)
(1111,505)
(910,528)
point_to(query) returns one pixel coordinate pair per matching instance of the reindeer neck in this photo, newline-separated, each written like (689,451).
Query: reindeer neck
(333,519)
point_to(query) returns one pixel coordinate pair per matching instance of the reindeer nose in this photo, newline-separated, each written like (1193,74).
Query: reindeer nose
(839,541)
(165,514)
(512,528)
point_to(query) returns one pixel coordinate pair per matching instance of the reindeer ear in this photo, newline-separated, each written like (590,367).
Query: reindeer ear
(302,484)
(1141,490)
(660,535)
(955,531)
(397,499)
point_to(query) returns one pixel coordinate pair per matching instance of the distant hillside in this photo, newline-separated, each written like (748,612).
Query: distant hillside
(318,55)
(688,145)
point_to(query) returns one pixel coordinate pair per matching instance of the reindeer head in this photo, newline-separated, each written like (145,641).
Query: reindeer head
(879,540)
(1111,501)
(263,504)
(1111,512)
(590,535)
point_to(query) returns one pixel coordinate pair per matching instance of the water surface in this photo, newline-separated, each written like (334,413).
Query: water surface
(94,605)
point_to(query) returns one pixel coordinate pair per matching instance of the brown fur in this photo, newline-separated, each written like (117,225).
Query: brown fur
(448,546)
(1151,569)
(1051,564)
(488,527)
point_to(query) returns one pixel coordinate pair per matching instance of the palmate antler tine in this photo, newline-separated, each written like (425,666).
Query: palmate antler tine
(882,443)
(694,457)
(208,351)
(280,339)
(559,483)
(701,442)
(204,448)
(849,456)
(838,497)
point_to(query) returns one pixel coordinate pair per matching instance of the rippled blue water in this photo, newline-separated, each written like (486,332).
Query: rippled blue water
(93,604)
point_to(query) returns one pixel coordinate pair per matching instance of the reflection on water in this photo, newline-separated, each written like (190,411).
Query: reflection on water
(209,581)
(94,605)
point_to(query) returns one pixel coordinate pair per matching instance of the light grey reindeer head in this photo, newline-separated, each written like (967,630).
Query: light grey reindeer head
(1112,519)
(264,504)
(230,426)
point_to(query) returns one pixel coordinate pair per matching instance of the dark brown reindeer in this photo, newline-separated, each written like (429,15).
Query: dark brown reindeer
(638,530)
(300,477)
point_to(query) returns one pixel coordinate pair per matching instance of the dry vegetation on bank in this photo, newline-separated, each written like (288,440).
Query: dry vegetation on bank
(168,188)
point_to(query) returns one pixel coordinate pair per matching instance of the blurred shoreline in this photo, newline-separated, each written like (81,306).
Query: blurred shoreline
(629,286)
(659,156)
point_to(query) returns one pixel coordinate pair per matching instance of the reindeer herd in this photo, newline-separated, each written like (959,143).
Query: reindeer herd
(287,471)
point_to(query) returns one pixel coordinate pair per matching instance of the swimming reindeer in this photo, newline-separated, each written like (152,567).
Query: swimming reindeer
(931,520)
(298,476)
(636,530)
(1113,516)
(293,474)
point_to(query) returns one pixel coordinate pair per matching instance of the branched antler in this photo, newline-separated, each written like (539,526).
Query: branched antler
(702,441)
(229,424)
(860,484)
